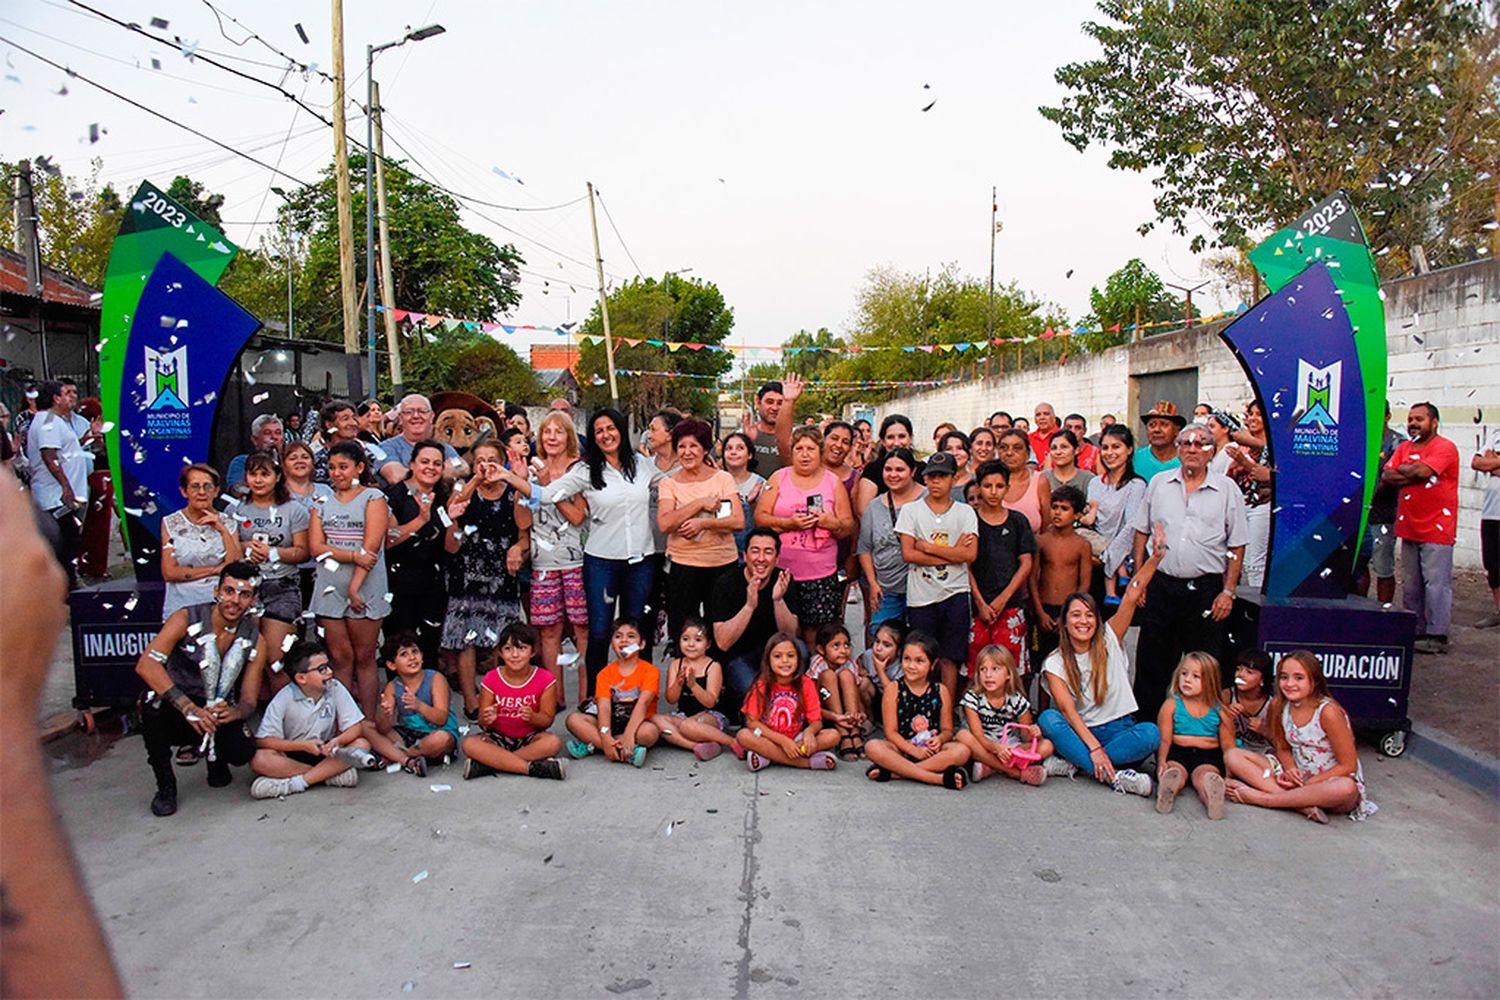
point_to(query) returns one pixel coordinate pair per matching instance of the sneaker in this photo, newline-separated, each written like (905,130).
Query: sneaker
(550,768)
(219,774)
(344,779)
(1033,774)
(980,771)
(473,769)
(270,788)
(638,757)
(707,750)
(164,802)
(1434,645)
(1493,621)
(1058,766)
(1128,782)
(755,761)
(359,758)
(577,749)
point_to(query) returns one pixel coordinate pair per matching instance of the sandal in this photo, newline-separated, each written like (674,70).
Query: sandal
(415,765)
(187,755)
(955,778)
(846,747)
(877,773)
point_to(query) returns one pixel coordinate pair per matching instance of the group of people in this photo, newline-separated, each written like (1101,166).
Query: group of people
(998,576)
(997,573)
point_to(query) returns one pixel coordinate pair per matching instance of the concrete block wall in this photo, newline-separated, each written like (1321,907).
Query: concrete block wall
(1443,335)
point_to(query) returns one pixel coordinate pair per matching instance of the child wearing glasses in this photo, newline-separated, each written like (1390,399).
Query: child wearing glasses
(311,731)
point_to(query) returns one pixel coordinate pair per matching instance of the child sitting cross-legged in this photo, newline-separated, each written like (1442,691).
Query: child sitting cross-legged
(783,714)
(517,702)
(997,701)
(415,721)
(311,732)
(619,721)
(918,717)
(695,683)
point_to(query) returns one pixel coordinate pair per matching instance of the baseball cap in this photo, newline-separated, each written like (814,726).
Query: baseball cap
(941,464)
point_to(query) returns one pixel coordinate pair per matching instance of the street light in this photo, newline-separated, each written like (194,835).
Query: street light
(286,235)
(412,35)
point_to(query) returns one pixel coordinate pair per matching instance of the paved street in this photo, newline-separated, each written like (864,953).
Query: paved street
(777,885)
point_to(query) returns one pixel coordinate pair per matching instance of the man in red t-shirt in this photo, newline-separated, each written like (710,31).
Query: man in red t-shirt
(1425,469)
(1041,438)
(1088,452)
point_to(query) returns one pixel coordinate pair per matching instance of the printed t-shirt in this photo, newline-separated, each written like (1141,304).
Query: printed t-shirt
(927,585)
(781,712)
(1427,511)
(511,700)
(278,522)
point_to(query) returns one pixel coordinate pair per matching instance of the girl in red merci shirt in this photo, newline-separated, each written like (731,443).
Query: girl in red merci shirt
(783,718)
(517,702)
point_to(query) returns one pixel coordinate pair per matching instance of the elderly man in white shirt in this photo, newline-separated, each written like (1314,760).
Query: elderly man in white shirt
(1203,516)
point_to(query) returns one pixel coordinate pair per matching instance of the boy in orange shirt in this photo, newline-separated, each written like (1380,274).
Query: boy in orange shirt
(619,720)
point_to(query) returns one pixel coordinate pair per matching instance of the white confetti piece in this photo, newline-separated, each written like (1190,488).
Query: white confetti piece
(392,768)
(440,788)
(420,876)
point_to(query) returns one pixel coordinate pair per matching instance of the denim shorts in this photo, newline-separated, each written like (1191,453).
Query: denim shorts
(892,607)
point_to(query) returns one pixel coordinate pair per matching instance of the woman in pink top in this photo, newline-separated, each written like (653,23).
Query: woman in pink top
(809,508)
(1029,493)
(698,509)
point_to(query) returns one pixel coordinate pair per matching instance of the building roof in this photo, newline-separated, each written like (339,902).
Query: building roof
(549,356)
(57,286)
(556,378)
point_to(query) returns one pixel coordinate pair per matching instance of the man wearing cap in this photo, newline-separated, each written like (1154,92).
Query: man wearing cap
(1162,424)
(762,431)
(1041,438)
(939,538)
(1203,516)
(1425,469)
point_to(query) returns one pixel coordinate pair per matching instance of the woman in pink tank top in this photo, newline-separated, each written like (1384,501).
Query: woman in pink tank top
(1028,493)
(809,508)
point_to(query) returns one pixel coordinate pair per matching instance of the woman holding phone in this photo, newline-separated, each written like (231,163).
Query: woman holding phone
(699,511)
(809,508)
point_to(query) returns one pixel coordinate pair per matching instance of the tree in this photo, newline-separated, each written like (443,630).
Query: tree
(191,195)
(438,264)
(1131,287)
(688,311)
(1249,112)
(76,219)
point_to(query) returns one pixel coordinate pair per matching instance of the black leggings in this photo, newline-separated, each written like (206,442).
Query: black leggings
(688,589)
(1489,547)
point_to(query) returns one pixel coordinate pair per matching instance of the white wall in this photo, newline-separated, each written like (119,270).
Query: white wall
(1442,331)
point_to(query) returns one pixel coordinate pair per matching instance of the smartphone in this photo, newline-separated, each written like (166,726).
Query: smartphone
(726,507)
(262,537)
(815,503)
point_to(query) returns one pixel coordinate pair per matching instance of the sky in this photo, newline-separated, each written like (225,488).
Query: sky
(777,149)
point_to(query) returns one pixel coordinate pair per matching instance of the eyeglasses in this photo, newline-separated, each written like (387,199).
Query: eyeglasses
(200,487)
(323,668)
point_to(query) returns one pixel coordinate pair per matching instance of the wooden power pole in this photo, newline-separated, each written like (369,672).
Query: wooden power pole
(609,343)
(346,213)
(387,288)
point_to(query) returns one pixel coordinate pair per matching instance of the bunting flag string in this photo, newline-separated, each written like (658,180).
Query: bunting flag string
(454,324)
(811,384)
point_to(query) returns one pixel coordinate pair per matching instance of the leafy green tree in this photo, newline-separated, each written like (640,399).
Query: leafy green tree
(76,220)
(683,310)
(191,195)
(438,264)
(1134,286)
(1248,112)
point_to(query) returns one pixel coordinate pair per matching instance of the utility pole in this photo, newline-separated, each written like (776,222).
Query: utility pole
(387,288)
(1188,299)
(370,218)
(989,314)
(286,236)
(609,343)
(31,250)
(345,211)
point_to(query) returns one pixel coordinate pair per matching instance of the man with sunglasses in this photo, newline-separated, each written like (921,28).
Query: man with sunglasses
(1192,593)
(220,639)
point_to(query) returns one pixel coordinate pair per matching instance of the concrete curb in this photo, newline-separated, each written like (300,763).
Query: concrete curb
(1436,748)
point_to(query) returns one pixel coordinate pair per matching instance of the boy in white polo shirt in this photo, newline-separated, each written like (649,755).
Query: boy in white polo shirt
(310,732)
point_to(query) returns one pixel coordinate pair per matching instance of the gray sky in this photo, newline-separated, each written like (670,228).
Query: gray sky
(778,149)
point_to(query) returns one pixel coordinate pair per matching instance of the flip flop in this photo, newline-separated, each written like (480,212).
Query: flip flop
(877,773)
(822,761)
(955,778)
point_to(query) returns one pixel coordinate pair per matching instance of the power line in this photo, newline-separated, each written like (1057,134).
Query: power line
(616,228)
(151,111)
(218,17)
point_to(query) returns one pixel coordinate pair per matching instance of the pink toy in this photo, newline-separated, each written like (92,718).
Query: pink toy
(1019,756)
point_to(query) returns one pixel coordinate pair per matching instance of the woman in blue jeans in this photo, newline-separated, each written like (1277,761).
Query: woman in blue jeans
(1091,721)
(617,548)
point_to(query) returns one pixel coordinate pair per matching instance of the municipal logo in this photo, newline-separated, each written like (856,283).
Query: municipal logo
(1316,429)
(166,379)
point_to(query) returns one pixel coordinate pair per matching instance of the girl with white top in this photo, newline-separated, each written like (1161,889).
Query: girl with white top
(1088,676)
(1113,497)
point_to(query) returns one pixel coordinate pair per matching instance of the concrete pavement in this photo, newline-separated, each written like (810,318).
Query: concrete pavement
(777,884)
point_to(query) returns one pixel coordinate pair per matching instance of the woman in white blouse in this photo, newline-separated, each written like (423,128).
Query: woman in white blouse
(617,483)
